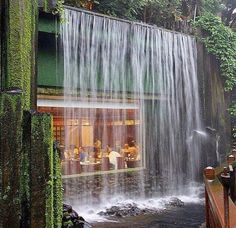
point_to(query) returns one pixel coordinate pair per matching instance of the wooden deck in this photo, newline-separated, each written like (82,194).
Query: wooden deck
(216,215)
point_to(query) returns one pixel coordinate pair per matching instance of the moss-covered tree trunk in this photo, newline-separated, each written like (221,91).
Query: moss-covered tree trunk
(57,188)
(41,171)
(30,176)
(10,157)
(2,42)
(20,49)
(41,176)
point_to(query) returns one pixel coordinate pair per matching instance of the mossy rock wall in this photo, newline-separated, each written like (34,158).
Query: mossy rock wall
(10,157)
(215,104)
(20,34)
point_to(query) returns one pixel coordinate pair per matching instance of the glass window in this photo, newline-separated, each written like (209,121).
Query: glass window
(97,139)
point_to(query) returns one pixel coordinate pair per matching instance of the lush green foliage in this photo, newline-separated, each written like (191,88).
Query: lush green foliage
(151,11)
(120,8)
(233,109)
(59,7)
(159,11)
(211,6)
(220,41)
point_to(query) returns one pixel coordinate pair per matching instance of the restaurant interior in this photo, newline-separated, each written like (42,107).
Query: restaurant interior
(96,139)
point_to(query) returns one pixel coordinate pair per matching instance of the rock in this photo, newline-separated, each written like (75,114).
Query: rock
(175,202)
(74,215)
(71,218)
(67,207)
(124,211)
(203,225)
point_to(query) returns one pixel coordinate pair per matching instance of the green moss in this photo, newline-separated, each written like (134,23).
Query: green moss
(10,156)
(42,168)
(57,190)
(42,128)
(25,167)
(21,26)
(24,188)
(49,204)
(49,188)
(68,223)
(48,140)
(45,5)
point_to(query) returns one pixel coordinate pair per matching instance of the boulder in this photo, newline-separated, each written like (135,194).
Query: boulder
(71,218)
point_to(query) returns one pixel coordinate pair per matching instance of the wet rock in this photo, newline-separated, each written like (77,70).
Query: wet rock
(67,208)
(175,202)
(203,225)
(71,218)
(127,210)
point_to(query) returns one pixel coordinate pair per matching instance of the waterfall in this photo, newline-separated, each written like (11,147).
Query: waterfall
(120,68)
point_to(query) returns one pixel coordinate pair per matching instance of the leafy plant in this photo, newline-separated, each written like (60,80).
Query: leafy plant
(59,8)
(220,40)
(232,109)
(121,8)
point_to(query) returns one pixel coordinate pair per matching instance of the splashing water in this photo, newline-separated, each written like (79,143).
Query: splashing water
(154,205)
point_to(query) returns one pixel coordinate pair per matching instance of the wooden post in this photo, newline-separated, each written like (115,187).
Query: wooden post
(232,183)
(234,193)
(207,206)
(230,159)
(209,173)
(225,178)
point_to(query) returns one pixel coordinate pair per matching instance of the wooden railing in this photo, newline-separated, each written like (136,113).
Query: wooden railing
(220,193)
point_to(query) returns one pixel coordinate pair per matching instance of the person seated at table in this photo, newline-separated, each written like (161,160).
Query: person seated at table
(97,148)
(62,150)
(106,151)
(133,153)
(125,151)
(133,150)
(68,154)
(112,158)
(83,155)
(76,153)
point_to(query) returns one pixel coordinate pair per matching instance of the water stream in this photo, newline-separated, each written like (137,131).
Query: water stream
(150,76)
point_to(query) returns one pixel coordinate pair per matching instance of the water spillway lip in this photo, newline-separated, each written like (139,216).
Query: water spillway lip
(122,20)
(80,104)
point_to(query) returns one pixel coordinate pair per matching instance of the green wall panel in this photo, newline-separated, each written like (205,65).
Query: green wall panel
(50,70)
